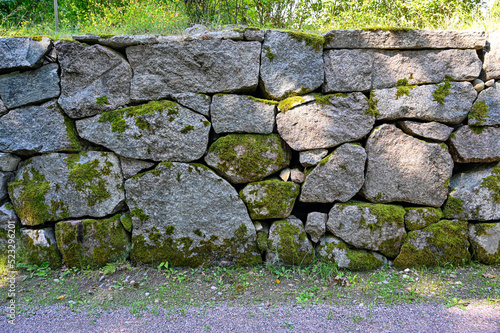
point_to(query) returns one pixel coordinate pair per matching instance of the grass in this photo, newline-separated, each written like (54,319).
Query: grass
(147,289)
(161,17)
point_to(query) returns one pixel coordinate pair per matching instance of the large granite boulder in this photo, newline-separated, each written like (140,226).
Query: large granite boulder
(35,247)
(486,109)
(368,226)
(245,158)
(93,79)
(117,41)
(23,53)
(329,121)
(291,63)
(288,243)
(242,114)
(421,217)
(485,242)
(159,131)
(186,215)
(54,187)
(270,199)
(448,102)
(475,194)
(37,129)
(404,39)
(432,130)
(363,70)
(475,144)
(92,242)
(440,243)
(40,85)
(338,252)
(201,66)
(337,177)
(492,56)
(403,168)
(8,162)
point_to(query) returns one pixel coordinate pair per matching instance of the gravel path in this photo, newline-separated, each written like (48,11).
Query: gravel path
(322,318)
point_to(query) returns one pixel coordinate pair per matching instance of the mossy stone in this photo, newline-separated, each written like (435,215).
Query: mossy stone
(445,242)
(421,217)
(92,242)
(270,199)
(485,242)
(35,247)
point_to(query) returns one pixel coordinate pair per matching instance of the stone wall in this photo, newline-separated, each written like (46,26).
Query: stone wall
(237,147)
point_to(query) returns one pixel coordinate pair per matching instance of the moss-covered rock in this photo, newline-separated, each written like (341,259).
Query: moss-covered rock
(38,246)
(288,243)
(421,217)
(55,187)
(262,241)
(338,252)
(485,242)
(375,227)
(244,158)
(93,243)
(186,215)
(440,243)
(270,199)
(475,194)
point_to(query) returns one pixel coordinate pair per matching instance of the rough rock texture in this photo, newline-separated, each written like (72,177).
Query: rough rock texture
(362,70)
(242,114)
(54,187)
(118,41)
(486,109)
(93,79)
(3,109)
(37,129)
(22,53)
(403,168)
(481,144)
(245,158)
(285,174)
(297,176)
(35,247)
(475,194)
(421,217)
(367,226)
(131,167)
(440,243)
(8,221)
(8,162)
(186,215)
(5,178)
(197,102)
(290,65)
(478,85)
(93,242)
(348,70)
(40,85)
(433,130)
(448,102)
(254,34)
(338,252)
(312,157)
(328,122)
(404,39)
(157,131)
(270,199)
(291,102)
(316,225)
(288,243)
(492,57)
(338,177)
(485,242)
(202,66)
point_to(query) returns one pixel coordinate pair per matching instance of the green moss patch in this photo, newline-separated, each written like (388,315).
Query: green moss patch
(270,199)
(441,92)
(421,217)
(269,54)
(492,183)
(440,243)
(479,112)
(312,40)
(102,100)
(30,251)
(260,100)
(403,88)
(484,236)
(454,208)
(387,28)
(140,113)
(290,102)
(288,247)
(372,105)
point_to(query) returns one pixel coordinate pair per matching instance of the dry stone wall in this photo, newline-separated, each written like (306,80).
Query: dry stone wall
(363,148)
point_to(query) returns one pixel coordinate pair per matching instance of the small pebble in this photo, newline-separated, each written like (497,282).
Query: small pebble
(407,270)
(213,288)
(489,83)
(101,278)
(147,294)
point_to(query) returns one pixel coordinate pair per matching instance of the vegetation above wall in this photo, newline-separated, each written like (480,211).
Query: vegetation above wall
(36,17)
